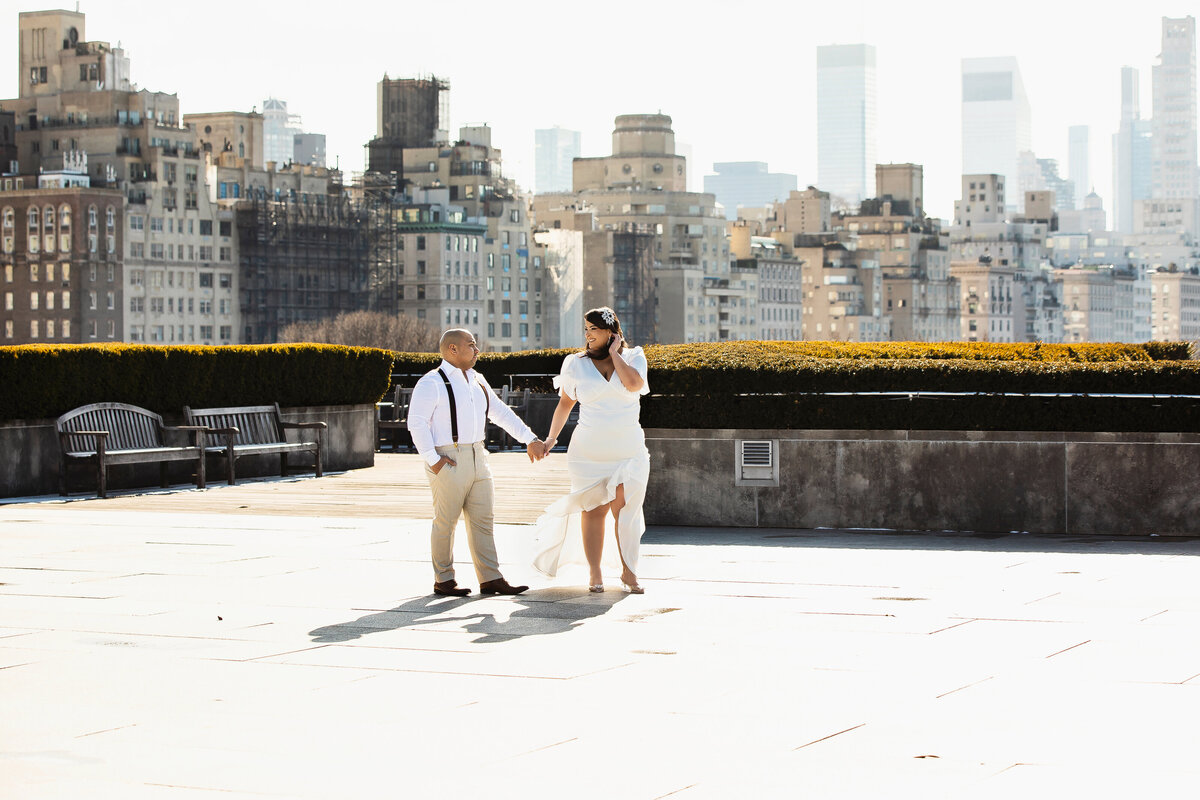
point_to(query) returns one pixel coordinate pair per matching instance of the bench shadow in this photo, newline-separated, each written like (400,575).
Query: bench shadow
(541,612)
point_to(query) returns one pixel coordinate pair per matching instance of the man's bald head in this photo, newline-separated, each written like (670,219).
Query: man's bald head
(459,348)
(457,336)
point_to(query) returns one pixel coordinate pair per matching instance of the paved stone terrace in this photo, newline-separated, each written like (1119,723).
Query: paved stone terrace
(276,639)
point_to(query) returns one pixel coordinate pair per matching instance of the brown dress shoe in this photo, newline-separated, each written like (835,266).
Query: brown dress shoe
(500,586)
(450,589)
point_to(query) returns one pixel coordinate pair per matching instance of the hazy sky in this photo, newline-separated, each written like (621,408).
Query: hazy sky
(739,81)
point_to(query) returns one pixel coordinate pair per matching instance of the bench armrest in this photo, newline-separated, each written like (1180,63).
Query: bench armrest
(224,431)
(101,438)
(198,430)
(303,425)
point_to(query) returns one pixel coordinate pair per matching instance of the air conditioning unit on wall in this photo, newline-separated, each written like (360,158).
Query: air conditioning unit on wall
(756,462)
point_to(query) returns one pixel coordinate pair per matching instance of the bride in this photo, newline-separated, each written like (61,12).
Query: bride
(607,458)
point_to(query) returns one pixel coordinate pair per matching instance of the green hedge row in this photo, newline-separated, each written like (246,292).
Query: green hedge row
(789,385)
(720,370)
(923,375)
(44,381)
(976,351)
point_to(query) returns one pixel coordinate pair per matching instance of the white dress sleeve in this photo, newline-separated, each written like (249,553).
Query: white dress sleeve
(567,379)
(637,359)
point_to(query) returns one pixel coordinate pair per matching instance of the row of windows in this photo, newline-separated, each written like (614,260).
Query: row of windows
(138,223)
(35,270)
(169,252)
(168,305)
(46,243)
(137,277)
(35,298)
(506,330)
(174,333)
(47,217)
(63,329)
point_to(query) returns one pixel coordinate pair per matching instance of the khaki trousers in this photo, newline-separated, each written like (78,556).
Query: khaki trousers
(463,489)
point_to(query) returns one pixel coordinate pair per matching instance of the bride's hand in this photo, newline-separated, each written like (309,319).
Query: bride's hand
(615,345)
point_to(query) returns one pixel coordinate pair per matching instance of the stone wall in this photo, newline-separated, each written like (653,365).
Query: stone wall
(29,454)
(1093,483)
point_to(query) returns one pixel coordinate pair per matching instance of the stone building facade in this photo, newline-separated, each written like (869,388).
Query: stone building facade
(61,256)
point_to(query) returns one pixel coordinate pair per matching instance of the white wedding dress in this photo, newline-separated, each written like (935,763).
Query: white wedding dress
(607,449)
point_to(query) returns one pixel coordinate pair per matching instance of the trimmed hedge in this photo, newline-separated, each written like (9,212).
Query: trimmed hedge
(788,384)
(45,381)
(974,351)
(717,370)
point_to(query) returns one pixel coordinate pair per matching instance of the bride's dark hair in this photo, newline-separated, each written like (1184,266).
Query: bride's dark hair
(603,317)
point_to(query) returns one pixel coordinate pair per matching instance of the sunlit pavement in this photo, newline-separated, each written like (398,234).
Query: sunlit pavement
(278,639)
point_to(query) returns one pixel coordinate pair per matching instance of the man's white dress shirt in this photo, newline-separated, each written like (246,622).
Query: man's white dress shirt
(429,412)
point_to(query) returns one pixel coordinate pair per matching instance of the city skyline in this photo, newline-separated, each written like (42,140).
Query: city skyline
(918,92)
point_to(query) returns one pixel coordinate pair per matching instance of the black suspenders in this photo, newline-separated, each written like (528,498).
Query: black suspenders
(454,410)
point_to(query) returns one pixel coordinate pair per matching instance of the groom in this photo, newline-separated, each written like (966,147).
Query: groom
(447,417)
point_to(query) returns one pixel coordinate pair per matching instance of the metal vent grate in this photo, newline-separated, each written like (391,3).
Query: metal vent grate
(757,454)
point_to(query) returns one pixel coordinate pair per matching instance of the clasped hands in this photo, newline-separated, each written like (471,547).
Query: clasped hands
(538,449)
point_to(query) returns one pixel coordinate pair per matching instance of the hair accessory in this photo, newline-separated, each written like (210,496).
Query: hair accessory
(608,316)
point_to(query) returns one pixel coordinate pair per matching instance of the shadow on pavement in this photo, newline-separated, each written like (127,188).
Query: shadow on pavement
(539,613)
(877,539)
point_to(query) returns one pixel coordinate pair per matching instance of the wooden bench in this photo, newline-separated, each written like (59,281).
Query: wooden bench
(253,430)
(391,420)
(518,401)
(117,433)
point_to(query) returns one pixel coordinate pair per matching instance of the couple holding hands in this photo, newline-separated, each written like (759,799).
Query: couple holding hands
(607,459)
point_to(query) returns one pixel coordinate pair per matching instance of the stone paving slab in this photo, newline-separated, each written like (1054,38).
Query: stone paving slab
(275,639)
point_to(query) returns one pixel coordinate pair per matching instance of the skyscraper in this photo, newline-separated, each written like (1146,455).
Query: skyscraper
(846,121)
(995,119)
(1131,155)
(1174,78)
(1079,162)
(554,150)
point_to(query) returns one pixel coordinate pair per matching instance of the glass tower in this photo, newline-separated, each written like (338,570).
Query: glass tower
(846,121)
(995,120)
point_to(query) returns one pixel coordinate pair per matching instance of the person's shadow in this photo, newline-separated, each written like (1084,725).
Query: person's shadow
(539,613)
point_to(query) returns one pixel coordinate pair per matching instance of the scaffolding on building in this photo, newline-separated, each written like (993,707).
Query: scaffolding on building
(308,259)
(634,298)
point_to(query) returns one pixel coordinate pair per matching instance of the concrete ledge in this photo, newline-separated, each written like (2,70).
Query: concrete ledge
(1002,481)
(29,453)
